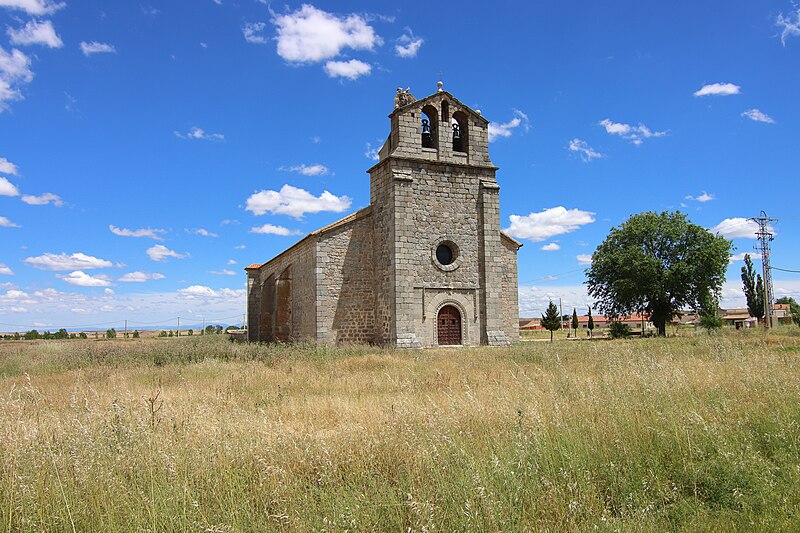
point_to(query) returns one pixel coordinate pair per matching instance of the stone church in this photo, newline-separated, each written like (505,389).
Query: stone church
(425,264)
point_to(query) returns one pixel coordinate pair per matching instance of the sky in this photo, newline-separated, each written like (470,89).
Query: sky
(149,151)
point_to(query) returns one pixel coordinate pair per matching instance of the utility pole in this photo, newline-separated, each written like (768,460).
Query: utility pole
(765,237)
(203,331)
(561,312)
(179,327)
(126,329)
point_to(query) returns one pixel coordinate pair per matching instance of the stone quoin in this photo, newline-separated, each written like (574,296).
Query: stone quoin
(425,264)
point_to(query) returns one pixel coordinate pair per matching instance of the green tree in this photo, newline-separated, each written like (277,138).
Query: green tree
(32,335)
(794,307)
(753,287)
(590,325)
(709,312)
(136,334)
(575,321)
(656,264)
(82,335)
(551,321)
(111,333)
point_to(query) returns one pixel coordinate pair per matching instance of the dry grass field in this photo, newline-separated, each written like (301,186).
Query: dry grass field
(200,434)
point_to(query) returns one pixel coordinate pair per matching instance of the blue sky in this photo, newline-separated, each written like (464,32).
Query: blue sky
(151,150)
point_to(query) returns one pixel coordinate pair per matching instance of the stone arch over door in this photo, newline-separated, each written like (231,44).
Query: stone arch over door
(449,326)
(283,306)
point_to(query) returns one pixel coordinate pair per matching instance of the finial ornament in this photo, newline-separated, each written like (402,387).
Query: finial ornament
(439,86)
(403,97)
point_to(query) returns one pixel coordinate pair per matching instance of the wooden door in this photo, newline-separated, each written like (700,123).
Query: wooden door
(449,326)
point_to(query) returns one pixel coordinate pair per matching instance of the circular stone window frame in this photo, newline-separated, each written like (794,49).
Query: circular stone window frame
(457,259)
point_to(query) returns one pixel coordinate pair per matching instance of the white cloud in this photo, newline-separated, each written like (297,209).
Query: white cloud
(14,71)
(550,247)
(790,23)
(6,223)
(310,35)
(140,277)
(408,45)
(372,153)
(33,7)
(82,279)
(740,257)
(159,252)
(239,247)
(6,270)
(309,170)
(97,48)
(7,167)
(198,133)
(737,228)
(758,116)
(635,134)
(584,259)
(548,223)
(269,229)
(7,188)
(351,70)
(202,232)
(43,199)
(505,129)
(718,89)
(253,32)
(142,232)
(55,308)
(586,152)
(533,300)
(224,272)
(232,262)
(17,297)
(207,293)
(295,202)
(76,261)
(35,32)
(705,197)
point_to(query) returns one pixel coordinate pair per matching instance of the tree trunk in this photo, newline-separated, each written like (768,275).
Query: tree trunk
(551,335)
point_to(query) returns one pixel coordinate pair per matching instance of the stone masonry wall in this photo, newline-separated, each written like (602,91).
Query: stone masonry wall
(345,286)
(302,260)
(510,290)
(383,224)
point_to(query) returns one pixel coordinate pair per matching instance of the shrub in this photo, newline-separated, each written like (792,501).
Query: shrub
(619,330)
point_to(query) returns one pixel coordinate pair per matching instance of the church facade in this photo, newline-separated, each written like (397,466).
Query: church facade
(424,265)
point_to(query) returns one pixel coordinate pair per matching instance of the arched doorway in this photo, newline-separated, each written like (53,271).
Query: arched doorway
(448,325)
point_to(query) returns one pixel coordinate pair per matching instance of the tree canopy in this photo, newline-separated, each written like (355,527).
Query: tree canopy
(753,287)
(657,264)
(551,320)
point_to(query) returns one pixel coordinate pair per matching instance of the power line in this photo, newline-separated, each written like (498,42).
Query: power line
(785,270)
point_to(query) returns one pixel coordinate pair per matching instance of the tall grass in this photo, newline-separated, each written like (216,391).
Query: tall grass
(697,433)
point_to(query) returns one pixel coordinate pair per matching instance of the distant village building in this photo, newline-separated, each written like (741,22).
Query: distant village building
(425,264)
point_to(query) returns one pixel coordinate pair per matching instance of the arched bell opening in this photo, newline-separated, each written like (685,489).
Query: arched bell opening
(428,127)
(459,123)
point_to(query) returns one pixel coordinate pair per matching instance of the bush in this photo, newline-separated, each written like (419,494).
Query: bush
(710,322)
(619,330)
